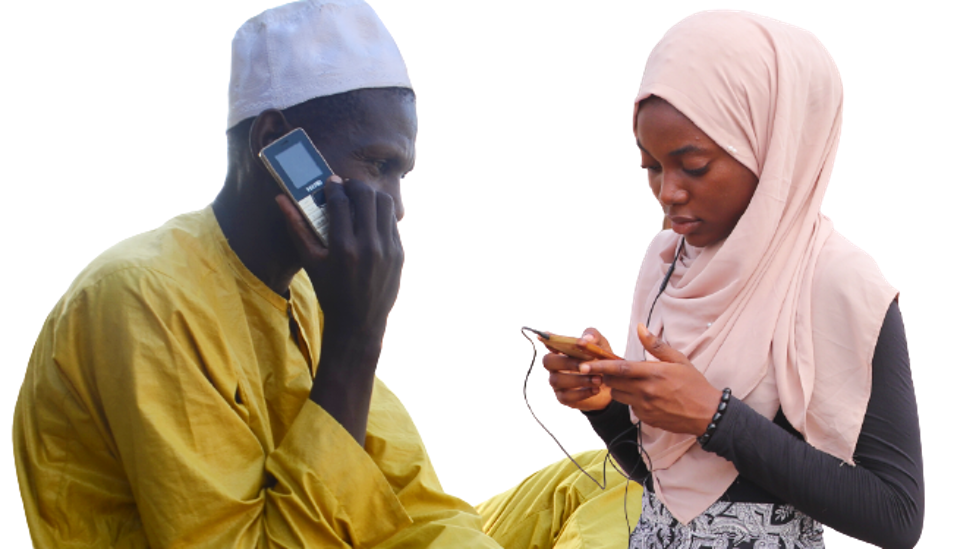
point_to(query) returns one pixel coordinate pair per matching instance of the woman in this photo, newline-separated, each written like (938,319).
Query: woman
(770,388)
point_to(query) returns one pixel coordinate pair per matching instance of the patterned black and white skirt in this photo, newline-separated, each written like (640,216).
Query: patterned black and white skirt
(726,525)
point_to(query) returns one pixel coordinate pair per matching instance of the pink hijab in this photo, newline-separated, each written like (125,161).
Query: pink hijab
(785,311)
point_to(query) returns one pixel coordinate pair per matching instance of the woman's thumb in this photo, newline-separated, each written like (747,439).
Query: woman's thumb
(657,348)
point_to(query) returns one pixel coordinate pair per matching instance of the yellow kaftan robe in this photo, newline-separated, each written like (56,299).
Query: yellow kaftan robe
(166,405)
(560,507)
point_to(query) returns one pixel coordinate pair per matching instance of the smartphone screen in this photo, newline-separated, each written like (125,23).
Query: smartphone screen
(301,172)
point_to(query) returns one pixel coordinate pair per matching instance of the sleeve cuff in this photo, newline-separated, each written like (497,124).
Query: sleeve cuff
(320,463)
(721,439)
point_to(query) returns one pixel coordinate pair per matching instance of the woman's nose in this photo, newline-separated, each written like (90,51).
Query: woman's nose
(671,190)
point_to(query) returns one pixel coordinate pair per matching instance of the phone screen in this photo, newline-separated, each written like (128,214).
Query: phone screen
(299,165)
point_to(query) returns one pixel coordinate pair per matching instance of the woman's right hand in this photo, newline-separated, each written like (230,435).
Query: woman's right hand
(582,392)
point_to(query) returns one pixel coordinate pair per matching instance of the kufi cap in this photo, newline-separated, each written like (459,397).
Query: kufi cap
(312,48)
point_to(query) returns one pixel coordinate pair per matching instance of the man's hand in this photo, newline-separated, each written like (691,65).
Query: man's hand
(357,277)
(356,280)
(670,393)
(582,392)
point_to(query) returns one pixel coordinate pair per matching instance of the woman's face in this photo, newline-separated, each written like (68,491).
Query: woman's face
(702,189)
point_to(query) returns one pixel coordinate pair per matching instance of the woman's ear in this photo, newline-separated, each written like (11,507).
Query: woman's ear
(266,128)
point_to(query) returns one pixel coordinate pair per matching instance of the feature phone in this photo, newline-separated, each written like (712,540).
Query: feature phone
(301,172)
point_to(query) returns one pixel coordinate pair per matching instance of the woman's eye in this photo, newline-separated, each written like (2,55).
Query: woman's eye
(654,168)
(697,172)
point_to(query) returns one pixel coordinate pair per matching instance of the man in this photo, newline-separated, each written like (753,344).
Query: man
(211,383)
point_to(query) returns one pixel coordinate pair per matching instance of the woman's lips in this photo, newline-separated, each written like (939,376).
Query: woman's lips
(684,225)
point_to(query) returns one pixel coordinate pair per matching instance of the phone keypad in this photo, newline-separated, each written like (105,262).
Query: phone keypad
(316,215)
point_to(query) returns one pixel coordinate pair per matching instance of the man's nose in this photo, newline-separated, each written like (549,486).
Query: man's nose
(398,207)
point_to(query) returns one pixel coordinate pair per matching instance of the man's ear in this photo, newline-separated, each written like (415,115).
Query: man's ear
(266,128)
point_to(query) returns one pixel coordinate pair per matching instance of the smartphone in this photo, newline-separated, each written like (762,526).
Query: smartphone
(301,172)
(568,346)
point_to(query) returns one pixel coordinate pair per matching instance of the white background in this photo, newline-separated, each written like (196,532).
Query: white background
(527,205)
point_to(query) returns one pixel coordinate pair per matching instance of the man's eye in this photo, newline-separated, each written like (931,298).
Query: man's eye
(379,166)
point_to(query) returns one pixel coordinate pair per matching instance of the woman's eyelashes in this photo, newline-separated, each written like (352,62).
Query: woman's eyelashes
(693,172)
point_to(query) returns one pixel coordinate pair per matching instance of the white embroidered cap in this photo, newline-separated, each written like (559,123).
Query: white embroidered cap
(312,48)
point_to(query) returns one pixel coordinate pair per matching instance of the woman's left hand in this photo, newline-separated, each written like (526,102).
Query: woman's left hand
(669,393)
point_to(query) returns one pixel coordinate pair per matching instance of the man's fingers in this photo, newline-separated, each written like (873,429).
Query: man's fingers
(363,202)
(301,233)
(659,349)
(338,207)
(385,216)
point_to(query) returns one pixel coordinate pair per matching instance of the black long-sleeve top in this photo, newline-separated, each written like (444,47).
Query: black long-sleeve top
(880,500)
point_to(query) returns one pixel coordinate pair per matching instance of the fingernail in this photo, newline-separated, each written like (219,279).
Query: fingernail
(584,368)
(335,178)
(588,337)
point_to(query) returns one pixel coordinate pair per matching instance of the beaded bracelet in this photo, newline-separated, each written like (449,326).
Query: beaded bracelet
(722,406)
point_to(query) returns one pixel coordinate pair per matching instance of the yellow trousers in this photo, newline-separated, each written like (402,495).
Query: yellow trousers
(559,507)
